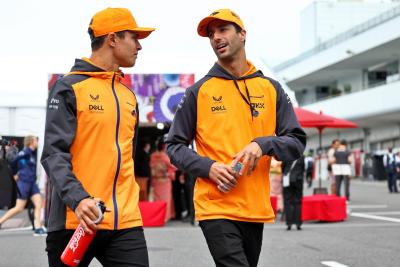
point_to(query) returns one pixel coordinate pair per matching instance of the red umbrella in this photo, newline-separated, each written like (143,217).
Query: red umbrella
(336,123)
(308,119)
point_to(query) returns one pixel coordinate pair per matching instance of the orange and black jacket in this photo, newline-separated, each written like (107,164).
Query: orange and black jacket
(91,127)
(223,114)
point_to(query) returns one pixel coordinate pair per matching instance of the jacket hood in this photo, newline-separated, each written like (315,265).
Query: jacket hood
(219,72)
(85,66)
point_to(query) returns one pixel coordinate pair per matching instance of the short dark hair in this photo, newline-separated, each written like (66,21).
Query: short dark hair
(237,27)
(343,142)
(97,42)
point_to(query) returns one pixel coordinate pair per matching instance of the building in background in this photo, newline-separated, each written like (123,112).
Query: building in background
(324,19)
(353,75)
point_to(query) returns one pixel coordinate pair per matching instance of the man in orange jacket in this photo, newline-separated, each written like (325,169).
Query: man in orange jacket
(91,129)
(237,117)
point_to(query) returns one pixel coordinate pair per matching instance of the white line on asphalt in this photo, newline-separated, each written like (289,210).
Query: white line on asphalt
(374,217)
(333,264)
(16,229)
(368,206)
(383,212)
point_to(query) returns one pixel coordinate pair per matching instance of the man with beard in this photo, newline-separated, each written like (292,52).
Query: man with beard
(239,119)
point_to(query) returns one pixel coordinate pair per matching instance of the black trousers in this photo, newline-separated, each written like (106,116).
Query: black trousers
(120,248)
(233,243)
(346,179)
(392,182)
(292,197)
(177,189)
(189,191)
(309,178)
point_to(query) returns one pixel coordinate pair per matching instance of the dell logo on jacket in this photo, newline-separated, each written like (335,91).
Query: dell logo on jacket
(96,108)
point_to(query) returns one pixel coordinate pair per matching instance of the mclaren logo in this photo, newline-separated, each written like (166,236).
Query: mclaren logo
(217,99)
(94,98)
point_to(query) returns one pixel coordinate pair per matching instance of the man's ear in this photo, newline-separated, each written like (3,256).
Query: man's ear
(111,39)
(242,35)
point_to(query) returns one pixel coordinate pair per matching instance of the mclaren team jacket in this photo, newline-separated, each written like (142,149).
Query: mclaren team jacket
(215,114)
(91,125)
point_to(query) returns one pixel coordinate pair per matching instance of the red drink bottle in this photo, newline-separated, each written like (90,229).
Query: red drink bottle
(80,241)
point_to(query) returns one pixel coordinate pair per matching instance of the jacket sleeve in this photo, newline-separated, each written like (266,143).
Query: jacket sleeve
(289,142)
(181,134)
(23,154)
(59,135)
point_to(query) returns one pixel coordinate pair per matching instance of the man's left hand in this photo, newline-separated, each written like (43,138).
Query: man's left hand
(249,154)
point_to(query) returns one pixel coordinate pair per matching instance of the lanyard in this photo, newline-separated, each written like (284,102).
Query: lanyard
(253,111)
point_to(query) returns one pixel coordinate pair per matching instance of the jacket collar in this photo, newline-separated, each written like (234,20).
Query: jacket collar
(220,72)
(86,67)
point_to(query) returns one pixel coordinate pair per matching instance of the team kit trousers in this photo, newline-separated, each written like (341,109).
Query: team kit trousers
(233,243)
(119,248)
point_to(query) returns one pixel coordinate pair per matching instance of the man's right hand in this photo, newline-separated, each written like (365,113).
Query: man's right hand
(223,175)
(87,213)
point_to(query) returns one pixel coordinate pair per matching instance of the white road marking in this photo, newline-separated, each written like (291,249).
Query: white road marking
(16,229)
(374,217)
(368,206)
(383,212)
(333,264)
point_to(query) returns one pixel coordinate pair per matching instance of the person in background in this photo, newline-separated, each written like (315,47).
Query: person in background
(331,159)
(142,168)
(162,176)
(309,167)
(293,192)
(389,161)
(190,181)
(341,168)
(275,180)
(12,151)
(398,166)
(178,189)
(24,171)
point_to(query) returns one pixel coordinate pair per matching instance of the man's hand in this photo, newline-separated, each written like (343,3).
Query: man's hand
(223,175)
(87,213)
(250,154)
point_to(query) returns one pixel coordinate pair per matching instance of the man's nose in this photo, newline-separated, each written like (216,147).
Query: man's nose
(216,36)
(138,45)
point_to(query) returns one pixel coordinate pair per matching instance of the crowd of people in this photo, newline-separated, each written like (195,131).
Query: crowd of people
(164,182)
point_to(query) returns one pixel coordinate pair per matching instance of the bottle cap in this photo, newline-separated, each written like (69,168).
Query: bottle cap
(102,209)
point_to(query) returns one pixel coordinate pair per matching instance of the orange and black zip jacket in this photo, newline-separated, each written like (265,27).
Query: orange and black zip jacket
(215,114)
(91,128)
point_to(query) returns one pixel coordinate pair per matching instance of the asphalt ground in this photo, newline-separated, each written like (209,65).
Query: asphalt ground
(370,236)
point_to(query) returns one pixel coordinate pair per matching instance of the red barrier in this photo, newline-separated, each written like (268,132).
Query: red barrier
(153,213)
